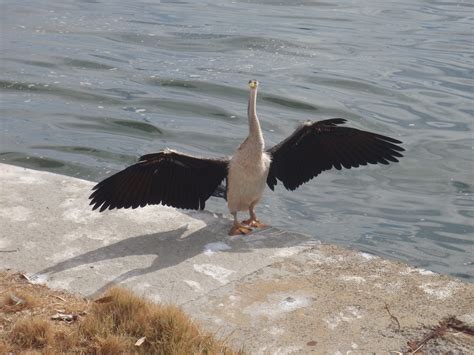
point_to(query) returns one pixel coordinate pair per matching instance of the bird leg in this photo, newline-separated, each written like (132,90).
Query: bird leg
(253,221)
(238,228)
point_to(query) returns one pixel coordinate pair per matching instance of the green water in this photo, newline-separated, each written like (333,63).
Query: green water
(87,86)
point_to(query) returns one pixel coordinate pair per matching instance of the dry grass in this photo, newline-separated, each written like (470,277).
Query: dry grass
(32,332)
(119,322)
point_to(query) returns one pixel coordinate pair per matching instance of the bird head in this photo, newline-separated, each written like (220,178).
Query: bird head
(253,84)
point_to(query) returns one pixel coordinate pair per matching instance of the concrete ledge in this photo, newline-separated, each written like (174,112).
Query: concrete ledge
(273,291)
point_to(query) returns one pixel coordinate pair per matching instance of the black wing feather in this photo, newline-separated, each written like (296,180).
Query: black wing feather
(318,146)
(167,177)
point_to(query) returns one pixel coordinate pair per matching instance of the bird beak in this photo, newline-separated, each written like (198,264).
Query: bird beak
(253,84)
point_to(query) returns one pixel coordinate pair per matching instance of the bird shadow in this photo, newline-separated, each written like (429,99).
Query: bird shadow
(173,247)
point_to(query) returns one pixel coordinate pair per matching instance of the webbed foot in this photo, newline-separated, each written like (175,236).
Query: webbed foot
(240,230)
(255,223)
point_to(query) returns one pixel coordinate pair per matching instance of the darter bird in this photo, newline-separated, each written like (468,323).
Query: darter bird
(184,181)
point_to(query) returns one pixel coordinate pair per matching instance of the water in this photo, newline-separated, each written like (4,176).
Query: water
(87,86)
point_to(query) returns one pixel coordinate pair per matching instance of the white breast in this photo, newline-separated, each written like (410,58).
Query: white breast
(248,171)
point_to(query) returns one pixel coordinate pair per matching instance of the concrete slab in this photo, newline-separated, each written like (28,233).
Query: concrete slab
(169,255)
(274,291)
(327,299)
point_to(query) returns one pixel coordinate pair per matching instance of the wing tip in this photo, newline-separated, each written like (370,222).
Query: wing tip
(390,139)
(332,122)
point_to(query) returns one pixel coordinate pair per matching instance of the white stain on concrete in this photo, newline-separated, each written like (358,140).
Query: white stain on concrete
(196,286)
(278,304)
(287,252)
(216,272)
(409,270)
(27,179)
(440,290)
(276,331)
(393,286)
(291,303)
(218,321)
(233,300)
(16,214)
(155,298)
(285,350)
(212,248)
(322,259)
(350,278)
(467,318)
(349,314)
(367,256)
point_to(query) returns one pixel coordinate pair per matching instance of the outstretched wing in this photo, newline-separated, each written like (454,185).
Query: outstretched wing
(168,177)
(318,146)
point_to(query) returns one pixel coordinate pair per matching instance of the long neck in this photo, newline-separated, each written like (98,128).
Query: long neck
(255,131)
